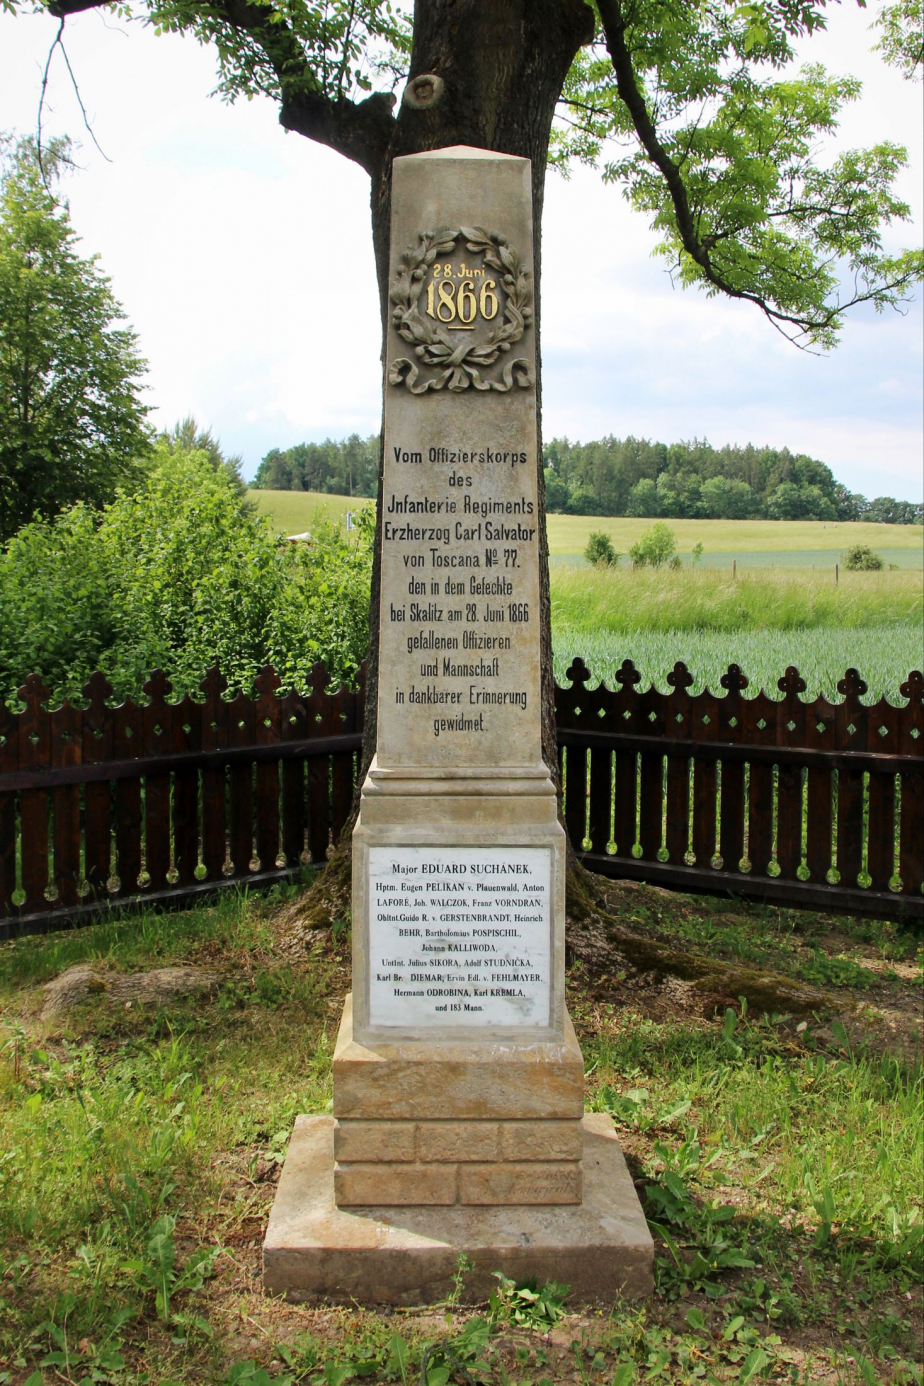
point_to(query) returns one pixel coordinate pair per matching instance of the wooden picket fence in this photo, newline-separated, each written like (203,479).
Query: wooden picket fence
(164,801)
(806,803)
(159,802)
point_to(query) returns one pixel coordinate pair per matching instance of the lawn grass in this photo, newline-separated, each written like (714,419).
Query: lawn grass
(291,513)
(779,1167)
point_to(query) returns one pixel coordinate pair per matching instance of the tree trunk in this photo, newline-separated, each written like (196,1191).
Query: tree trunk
(502,64)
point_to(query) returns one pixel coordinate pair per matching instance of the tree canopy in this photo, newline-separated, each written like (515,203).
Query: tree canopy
(694,107)
(71,418)
(347,468)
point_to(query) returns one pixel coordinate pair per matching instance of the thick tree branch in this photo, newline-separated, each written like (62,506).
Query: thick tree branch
(632,96)
(361,131)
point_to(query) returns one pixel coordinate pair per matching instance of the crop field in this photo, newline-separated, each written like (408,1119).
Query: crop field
(760,542)
(775,611)
(764,622)
(884,658)
(756,543)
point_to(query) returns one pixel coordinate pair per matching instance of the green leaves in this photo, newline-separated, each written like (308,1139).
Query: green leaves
(527,1305)
(180,575)
(157,1270)
(71,421)
(721,151)
(902,42)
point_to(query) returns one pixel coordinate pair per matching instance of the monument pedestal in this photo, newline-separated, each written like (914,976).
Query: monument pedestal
(317,1249)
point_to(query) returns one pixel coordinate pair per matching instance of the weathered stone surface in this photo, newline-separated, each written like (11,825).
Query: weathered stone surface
(459,860)
(406,1081)
(541,1140)
(524,1183)
(397,1185)
(457,1140)
(460,470)
(375,1140)
(600,1247)
(159,986)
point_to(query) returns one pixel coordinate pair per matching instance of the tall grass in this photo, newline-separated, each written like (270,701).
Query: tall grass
(884,655)
(622,600)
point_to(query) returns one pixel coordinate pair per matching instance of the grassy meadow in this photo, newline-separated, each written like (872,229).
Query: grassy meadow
(757,543)
(784,541)
(291,512)
(778,1159)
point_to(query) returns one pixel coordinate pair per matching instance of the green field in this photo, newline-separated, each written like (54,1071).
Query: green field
(291,511)
(763,621)
(751,543)
(883,657)
(568,534)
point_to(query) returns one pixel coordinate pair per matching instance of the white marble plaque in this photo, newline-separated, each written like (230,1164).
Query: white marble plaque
(459,937)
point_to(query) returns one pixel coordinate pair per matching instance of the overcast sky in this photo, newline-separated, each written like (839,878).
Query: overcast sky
(243,258)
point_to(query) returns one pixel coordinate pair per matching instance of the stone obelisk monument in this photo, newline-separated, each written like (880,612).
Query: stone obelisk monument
(458,1122)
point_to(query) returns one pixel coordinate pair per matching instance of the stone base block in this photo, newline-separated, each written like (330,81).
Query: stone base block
(484,1081)
(601,1247)
(406,1185)
(456,1142)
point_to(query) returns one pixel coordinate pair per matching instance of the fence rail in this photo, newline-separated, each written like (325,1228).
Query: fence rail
(812,803)
(809,803)
(164,801)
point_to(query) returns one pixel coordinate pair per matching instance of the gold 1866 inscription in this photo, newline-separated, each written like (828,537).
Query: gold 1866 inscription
(450,302)
(433,298)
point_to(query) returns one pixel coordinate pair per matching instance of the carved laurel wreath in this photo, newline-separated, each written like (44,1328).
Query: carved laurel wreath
(460,364)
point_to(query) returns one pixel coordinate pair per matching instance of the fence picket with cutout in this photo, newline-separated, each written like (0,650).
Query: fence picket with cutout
(214,723)
(157,740)
(127,739)
(9,835)
(819,735)
(277,772)
(34,754)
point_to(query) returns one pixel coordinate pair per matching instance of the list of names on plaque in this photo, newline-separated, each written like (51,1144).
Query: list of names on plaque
(459,937)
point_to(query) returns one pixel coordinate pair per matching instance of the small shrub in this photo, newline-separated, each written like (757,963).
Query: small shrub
(862,559)
(600,551)
(656,547)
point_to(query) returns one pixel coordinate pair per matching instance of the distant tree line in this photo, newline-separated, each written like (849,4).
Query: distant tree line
(346,468)
(632,476)
(626,476)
